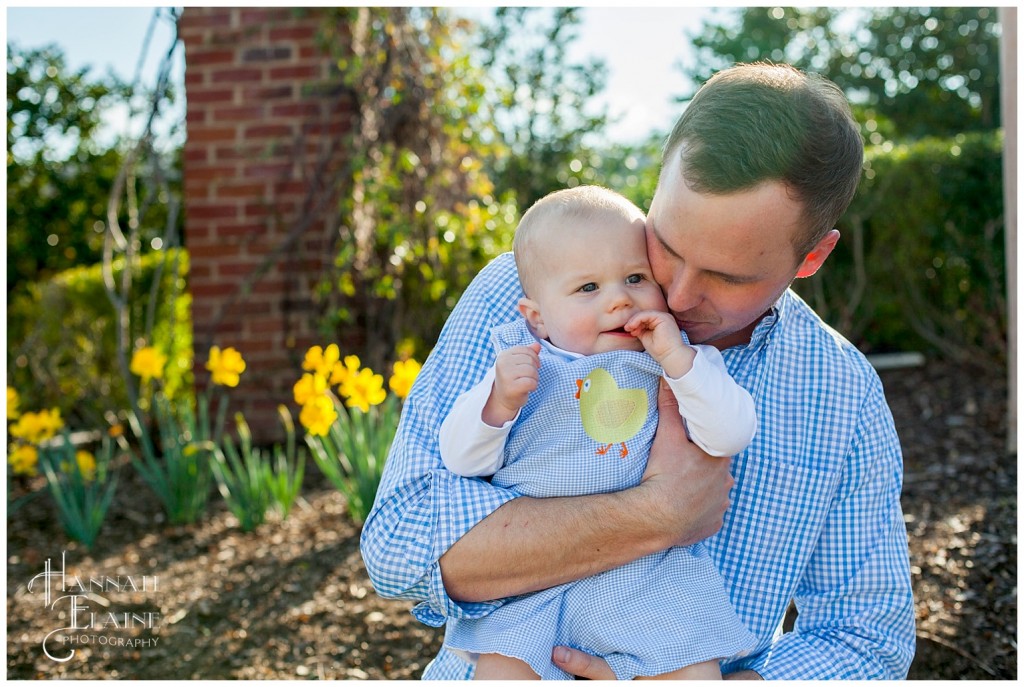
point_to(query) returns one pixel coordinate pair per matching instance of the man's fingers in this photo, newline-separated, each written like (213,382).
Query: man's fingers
(581,664)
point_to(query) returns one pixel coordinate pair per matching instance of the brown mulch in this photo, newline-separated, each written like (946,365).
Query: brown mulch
(291,600)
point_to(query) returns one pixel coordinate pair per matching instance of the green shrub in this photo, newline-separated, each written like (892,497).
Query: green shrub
(921,265)
(61,337)
(81,488)
(247,479)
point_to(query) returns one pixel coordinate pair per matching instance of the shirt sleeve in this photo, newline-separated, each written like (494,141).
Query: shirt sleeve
(855,601)
(421,508)
(469,446)
(718,412)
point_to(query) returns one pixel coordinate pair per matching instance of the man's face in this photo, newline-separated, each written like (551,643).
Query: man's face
(722,260)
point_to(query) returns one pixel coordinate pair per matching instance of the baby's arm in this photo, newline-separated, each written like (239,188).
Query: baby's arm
(472,436)
(718,412)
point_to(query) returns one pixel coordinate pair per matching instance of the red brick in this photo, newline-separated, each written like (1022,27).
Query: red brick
(221,95)
(238,75)
(194,17)
(208,134)
(213,291)
(195,154)
(212,172)
(296,109)
(264,131)
(297,33)
(264,93)
(267,53)
(296,72)
(242,113)
(241,189)
(200,57)
(240,230)
(270,169)
(211,210)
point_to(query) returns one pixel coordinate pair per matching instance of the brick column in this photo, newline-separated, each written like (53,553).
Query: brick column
(263,137)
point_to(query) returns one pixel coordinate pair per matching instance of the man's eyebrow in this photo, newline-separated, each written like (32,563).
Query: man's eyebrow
(736,278)
(668,248)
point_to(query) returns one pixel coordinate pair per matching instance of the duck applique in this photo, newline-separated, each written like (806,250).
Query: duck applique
(610,415)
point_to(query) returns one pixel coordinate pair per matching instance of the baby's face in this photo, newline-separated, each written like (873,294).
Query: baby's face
(596,278)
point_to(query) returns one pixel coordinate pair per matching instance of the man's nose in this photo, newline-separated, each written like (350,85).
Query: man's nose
(684,292)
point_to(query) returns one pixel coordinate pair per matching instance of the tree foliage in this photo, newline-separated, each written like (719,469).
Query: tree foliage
(58,172)
(540,101)
(418,215)
(62,165)
(912,71)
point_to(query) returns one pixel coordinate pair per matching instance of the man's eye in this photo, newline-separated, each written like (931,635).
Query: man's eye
(588,287)
(634,278)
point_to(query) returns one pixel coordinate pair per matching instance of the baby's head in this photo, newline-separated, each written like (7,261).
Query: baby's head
(581,254)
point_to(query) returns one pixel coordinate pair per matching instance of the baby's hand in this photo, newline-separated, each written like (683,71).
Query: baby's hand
(515,376)
(659,334)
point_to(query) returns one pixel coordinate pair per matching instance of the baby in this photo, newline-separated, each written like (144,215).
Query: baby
(569,408)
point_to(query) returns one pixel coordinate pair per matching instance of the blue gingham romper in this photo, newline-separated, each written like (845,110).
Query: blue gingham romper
(654,615)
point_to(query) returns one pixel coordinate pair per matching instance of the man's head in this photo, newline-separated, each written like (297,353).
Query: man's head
(582,262)
(764,122)
(760,166)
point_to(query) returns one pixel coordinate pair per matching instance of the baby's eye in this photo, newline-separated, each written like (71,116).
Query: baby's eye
(634,278)
(588,287)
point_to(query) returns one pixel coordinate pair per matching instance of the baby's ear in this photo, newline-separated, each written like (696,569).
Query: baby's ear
(530,309)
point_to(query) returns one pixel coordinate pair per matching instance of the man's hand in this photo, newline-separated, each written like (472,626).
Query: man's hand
(688,489)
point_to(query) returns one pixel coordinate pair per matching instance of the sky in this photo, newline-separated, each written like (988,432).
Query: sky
(639,45)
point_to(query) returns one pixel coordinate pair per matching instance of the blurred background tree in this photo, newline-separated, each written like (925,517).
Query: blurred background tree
(541,114)
(62,162)
(59,172)
(922,71)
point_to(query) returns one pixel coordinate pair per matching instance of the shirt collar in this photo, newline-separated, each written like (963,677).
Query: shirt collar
(764,328)
(559,352)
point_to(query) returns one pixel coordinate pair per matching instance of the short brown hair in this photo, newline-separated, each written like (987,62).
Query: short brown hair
(761,122)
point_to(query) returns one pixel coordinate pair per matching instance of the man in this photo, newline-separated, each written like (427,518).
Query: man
(755,174)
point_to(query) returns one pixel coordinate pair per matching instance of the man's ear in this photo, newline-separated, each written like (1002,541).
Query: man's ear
(529,309)
(816,258)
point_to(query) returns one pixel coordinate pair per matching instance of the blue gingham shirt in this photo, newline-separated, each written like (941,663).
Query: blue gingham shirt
(815,514)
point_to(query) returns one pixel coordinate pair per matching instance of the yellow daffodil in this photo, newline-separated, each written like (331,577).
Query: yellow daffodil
(318,415)
(148,363)
(225,366)
(309,387)
(403,377)
(12,404)
(342,371)
(86,465)
(363,390)
(23,460)
(37,427)
(321,361)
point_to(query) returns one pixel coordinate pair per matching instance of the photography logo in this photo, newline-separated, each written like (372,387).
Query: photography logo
(73,598)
